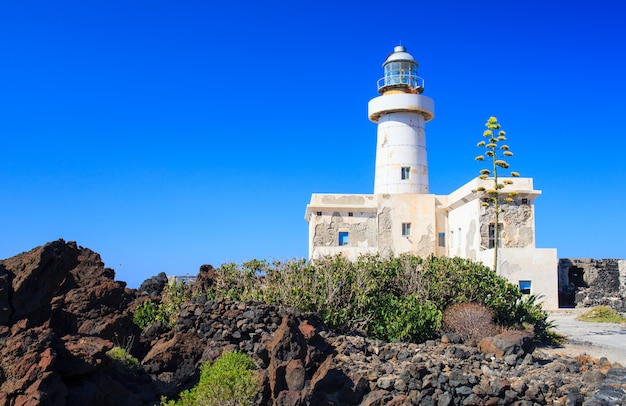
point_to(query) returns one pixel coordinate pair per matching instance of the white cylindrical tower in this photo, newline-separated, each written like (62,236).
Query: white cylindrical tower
(401,111)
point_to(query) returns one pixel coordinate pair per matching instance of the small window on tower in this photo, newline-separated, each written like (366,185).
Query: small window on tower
(524,201)
(350,214)
(319,213)
(343,238)
(406,172)
(406,229)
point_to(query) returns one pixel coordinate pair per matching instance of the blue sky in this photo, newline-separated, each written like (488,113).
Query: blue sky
(166,135)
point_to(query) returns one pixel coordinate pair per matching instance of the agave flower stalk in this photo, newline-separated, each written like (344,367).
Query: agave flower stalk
(495,154)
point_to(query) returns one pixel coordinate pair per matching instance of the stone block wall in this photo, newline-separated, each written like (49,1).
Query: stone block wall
(586,282)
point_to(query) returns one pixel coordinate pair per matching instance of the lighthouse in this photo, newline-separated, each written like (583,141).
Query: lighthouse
(400,112)
(402,216)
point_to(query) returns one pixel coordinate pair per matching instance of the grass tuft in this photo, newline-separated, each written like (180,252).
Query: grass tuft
(602,314)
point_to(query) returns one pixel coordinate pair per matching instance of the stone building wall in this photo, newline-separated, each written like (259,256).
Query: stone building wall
(517,225)
(586,282)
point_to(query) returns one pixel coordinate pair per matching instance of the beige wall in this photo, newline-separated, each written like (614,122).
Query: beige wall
(355,214)
(538,265)
(463,230)
(374,226)
(418,210)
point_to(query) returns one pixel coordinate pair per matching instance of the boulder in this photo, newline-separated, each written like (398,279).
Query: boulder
(153,286)
(510,342)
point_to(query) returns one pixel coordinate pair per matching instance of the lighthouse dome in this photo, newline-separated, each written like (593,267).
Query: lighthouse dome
(399,54)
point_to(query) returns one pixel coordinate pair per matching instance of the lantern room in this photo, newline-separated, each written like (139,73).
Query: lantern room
(400,70)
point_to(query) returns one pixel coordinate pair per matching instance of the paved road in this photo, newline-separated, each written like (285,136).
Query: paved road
(595,339)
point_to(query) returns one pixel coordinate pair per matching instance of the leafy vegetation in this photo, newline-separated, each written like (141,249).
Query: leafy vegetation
(122,358)
(602,314)
(393,299)
(173,297)
(228,381)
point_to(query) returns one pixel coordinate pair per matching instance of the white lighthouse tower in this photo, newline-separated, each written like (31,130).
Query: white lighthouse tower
(401,111)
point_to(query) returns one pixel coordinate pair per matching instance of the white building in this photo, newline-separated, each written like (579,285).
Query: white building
(401,216)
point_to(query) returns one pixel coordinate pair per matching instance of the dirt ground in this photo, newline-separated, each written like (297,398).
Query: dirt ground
(594,339)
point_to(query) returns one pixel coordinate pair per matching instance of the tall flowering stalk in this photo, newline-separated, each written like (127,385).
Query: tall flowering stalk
(495,153)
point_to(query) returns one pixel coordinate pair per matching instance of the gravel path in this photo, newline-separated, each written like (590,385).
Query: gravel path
(594,339)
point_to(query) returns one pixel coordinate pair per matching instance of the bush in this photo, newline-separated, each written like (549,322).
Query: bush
(397,298)
(147,313)
(228,381)
(172,299)
(405,319)
(122,358)
(471,321)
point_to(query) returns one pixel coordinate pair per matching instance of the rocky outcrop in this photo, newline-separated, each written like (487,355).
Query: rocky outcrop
(61,311)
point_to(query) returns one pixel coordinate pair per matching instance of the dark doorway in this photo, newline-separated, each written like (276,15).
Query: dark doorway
(576,280)
(576,277)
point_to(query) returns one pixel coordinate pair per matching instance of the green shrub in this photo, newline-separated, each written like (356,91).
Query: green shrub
(405,319)
(228,381)
(122,358)
(146,313)
(172,299)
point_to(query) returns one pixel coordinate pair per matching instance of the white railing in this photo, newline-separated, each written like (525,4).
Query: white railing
(415,82)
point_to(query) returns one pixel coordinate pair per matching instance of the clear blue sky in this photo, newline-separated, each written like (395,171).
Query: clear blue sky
(169,134)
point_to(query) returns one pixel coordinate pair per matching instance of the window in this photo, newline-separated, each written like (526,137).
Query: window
(319,213)
(492,235)
(524,286)
(405,173)
(441,239)
(406,229)
(350,214)
(524,201)
(343,238)
(401,73)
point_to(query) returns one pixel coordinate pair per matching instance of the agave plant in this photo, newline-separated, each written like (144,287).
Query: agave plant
(495,152)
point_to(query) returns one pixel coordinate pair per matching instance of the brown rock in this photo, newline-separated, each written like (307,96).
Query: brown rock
(204,281)
(400,400)
(36,276)
(295,375)
(377,398)
(307,330)
(80,355)
(181,351)
(288,398)
(288,344)
(507,343)
(5,288)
